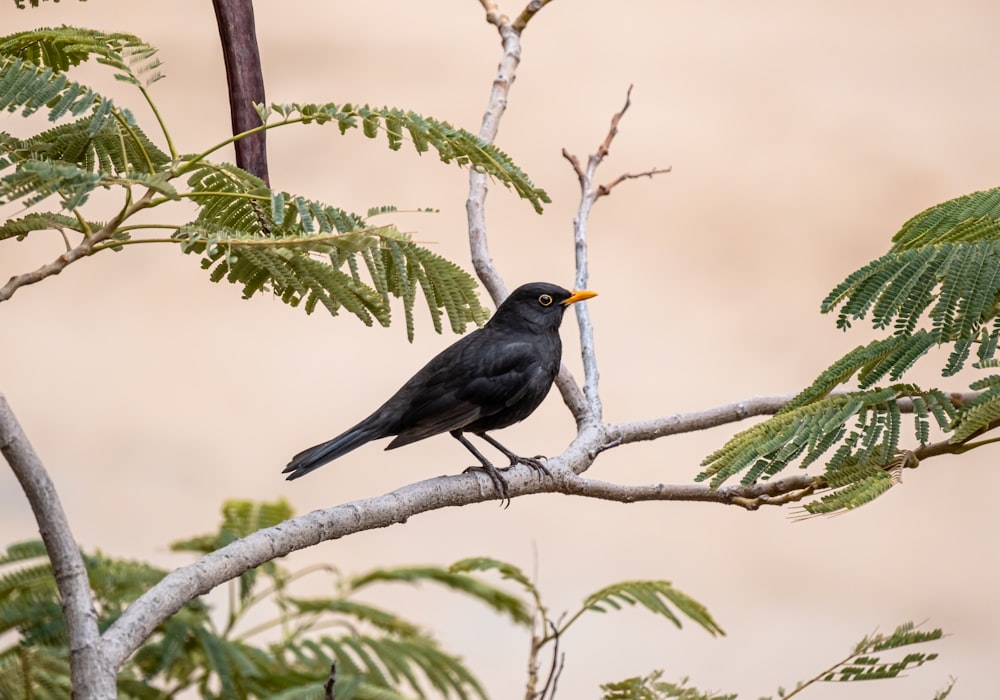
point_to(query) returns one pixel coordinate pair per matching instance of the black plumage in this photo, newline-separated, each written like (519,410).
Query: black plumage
(494,377)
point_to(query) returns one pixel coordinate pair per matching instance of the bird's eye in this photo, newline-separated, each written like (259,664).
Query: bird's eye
(545,300)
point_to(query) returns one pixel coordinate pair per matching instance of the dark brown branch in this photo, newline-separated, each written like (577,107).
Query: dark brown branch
(329,692)
(245,80)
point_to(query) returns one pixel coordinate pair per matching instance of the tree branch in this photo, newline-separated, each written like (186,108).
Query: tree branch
(510,35)
(86,247)
(245,80)
(588,195)
(475,204)
(93,676)
(398,506)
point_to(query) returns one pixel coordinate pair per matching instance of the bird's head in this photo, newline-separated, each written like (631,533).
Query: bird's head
(537,305)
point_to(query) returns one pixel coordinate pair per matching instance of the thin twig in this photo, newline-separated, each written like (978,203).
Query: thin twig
(557,666)
(527,13)
(752,497)
(624,433)
(85,248)
(603,190)
(588,195)
(493,15)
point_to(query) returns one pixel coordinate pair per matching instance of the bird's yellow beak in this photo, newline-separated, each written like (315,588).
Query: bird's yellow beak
(579,295)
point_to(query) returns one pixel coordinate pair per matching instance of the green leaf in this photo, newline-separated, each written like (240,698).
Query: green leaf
(867,666)
(944,267)
(34,181)
(650,687)
(809,430)
(496,598)
(981,412)
(452,144)
(655,596)
(61,48)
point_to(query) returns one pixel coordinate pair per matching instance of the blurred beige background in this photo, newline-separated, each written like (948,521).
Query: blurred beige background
(801,136)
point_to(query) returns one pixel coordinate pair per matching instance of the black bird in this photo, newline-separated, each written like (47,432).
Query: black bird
(494,377)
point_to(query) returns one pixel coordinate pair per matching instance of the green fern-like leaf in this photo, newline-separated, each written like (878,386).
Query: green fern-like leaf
(867,666)
(943,271)
(36,672)
(452,144)
(852,495)
(389,662)
(981,412)
(458,581)
(34,181)
(29,87)
(239,518)
(115,147)
(358,612)
(507,570)
(60,48)
(268,242)
(890,356)
(651,687)
(811,429)
(655,596)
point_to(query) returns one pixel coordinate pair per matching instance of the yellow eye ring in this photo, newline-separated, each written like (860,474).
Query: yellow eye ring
(545,300)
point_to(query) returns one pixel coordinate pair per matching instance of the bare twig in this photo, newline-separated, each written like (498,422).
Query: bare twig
(54,267)
(606,189)
(558,662)
(86,247)
(92,674)
(774,492)
(588,195)
(530,10)
(493,15)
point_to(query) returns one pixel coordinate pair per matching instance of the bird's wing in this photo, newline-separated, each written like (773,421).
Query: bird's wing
(449,400)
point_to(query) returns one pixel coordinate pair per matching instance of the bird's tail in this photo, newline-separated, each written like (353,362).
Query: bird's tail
(318,455)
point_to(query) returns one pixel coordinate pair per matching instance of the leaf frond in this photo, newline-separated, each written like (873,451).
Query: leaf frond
(943,271)
(655,596)
(458,581)
(111,147)
(38,221)
(980,413)
(866,665)
(651,687)
(811,429)
(61,48)
(453,145)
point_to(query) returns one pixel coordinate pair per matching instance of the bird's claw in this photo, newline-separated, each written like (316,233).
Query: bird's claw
(499,483)
(533,463)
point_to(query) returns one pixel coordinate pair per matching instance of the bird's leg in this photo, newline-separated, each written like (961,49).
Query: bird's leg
(498,481)
(533,462)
